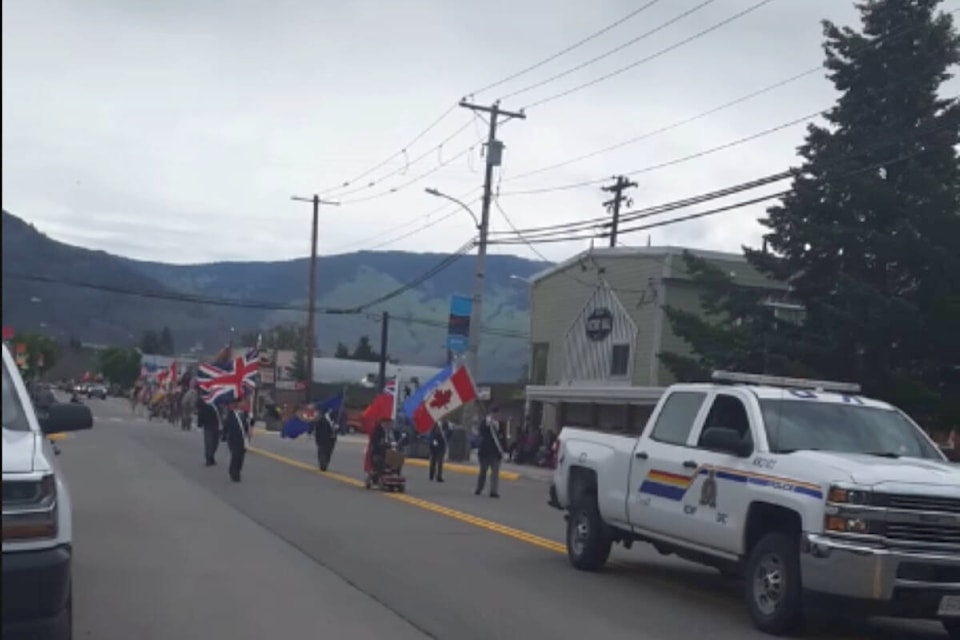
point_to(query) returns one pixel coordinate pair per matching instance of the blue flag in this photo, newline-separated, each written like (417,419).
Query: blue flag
(416,398)
(299,423)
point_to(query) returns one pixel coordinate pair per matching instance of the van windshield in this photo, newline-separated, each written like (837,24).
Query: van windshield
(795,425)
(14,417)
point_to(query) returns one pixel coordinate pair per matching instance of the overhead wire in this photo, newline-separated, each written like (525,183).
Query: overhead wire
(239,303)
(566,50)
(585,235)
(669,163)
(610,52)
(650,57)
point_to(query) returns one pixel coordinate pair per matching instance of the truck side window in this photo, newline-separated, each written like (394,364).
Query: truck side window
(728,412)
(677,417)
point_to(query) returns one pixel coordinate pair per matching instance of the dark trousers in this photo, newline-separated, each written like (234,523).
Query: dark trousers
(237,454)
(491,464)
(211,440)
(436,463)
(324,453)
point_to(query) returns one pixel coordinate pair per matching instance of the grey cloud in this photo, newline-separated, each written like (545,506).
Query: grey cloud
(149,128)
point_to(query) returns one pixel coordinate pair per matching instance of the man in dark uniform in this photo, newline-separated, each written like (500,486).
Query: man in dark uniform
(490,453)
(208,419)
(438,449)
(378,445)
(236,433)
(325,435)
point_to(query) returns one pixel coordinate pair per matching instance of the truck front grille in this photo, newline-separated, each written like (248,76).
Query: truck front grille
(920,503)
(922,533)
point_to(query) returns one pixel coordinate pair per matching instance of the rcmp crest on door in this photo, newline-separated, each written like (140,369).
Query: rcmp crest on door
(708,493)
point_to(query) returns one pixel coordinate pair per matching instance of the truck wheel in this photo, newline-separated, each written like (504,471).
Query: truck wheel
(588,545)
(953,628)
(772,584)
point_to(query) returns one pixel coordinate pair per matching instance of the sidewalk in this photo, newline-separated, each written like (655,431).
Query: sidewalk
(507,468)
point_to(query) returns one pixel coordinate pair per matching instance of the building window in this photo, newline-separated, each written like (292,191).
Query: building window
(620,360)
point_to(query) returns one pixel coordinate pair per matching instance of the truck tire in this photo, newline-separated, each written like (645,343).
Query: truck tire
(588,544)
(772,584)
(953,628)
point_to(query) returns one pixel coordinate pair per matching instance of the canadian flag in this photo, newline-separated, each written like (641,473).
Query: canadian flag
(444,399)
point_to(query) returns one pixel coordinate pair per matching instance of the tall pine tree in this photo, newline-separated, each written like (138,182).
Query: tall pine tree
(869,237)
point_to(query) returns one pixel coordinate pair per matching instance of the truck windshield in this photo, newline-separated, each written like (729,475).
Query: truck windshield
(13,415)
(794,425)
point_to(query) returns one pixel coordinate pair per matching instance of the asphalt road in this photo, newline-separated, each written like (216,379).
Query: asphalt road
(169,549)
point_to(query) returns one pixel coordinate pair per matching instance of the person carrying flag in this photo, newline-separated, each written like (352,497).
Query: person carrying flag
(325,435)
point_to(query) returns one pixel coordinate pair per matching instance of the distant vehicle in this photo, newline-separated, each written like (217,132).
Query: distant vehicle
(37,524)
(97,390)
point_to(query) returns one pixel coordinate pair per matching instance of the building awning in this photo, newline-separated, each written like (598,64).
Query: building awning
(595,394)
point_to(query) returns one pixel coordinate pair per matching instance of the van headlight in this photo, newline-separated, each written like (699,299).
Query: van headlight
(30,509)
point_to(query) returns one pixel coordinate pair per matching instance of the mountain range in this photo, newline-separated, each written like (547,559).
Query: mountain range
(96,297)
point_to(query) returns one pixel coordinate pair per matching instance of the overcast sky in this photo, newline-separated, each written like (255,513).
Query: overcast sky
(178,130)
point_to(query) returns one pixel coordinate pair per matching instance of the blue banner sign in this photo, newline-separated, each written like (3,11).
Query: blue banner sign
(458,328)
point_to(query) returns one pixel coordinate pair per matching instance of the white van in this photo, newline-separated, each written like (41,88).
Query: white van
(37,528)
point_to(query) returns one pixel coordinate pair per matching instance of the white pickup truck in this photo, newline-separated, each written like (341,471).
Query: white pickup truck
(37,525)
(804,488)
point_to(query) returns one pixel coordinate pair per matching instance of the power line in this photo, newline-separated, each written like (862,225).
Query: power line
(236,303)
(675,161)
(709,212)
(653,56)
(669,127)
(566,50)
(398,154)
(410,163)
(599,223)
(610,52)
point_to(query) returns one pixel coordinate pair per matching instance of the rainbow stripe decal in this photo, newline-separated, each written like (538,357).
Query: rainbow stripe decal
(672,486)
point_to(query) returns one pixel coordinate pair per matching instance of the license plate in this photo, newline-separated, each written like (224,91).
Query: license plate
(949,607)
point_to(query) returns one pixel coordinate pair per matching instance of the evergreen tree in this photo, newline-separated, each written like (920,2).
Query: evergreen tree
(166,345)
(364,351)
(342,352)
(869,237)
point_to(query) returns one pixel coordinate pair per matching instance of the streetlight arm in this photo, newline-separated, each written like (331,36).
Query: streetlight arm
(440,194)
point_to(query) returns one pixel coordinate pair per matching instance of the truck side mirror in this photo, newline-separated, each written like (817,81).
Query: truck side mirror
(725,440)
(63,417)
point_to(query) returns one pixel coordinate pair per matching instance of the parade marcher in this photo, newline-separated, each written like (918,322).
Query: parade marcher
(438,449)
(325,435)
(236,433)
(208,419)
(490,453)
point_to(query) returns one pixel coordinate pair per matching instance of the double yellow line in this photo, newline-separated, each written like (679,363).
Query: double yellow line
(455,514)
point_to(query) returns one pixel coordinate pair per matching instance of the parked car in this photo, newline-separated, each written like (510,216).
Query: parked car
(802,487)
(37,525)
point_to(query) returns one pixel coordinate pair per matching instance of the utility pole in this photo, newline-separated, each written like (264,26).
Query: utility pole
(494,157)
(384,333)
(312,292)
(613,205)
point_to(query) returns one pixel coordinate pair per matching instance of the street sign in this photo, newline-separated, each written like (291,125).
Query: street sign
(458,327)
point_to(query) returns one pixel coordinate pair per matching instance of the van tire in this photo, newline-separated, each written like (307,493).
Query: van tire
(588,542)
(772,584)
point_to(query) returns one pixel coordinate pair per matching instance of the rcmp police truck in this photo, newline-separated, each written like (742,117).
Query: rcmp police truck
(804,488)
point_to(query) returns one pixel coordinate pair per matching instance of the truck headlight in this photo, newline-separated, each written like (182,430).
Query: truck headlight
(30,509)
(845,496)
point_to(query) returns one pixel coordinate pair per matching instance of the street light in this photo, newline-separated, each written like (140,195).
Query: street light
(439,194)
(473,350)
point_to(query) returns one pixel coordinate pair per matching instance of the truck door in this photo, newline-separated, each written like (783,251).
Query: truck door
(717,500)
(660,472)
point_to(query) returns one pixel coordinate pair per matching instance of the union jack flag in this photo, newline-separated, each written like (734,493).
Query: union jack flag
(226,381)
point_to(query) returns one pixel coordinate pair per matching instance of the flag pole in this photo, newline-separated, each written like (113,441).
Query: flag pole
(396,395)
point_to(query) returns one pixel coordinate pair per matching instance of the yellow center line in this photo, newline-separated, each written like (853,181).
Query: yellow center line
(488,525)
